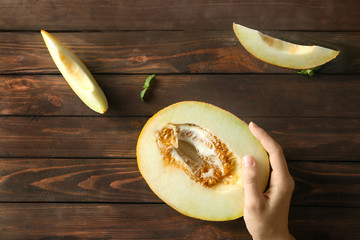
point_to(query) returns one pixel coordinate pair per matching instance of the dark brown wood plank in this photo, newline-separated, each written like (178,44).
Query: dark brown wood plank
(244,95)
(315,138)
(118,180)
(73,180)
(69,137)
(99,137)
(129,221)
(184,15)
(167,52)
(324,223)
(326,184)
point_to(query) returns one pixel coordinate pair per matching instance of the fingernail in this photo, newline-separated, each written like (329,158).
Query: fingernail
(254,124)
(248,161)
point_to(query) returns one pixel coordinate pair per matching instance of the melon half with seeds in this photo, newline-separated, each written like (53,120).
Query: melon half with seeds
(190,155)
(282,53)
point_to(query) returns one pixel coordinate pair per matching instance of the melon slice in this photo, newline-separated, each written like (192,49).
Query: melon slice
(281,53)
(190,155)
(76,74)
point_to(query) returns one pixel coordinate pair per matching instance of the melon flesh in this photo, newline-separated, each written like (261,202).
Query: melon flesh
(220,202)
(76,74)
(282,53)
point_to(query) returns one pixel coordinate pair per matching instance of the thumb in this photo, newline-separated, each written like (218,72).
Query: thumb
(250,181)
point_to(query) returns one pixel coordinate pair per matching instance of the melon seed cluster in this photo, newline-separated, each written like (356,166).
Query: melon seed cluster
(196,151)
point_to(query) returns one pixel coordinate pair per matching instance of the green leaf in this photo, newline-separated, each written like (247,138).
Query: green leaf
(142,94)
(310,72)
(146,86)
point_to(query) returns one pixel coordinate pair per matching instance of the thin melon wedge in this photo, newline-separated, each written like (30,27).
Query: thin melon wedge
(76,74)
(282,53)
(175,177)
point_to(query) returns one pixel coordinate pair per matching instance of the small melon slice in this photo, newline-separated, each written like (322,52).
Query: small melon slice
(76,74)
(282,53)
(190,155)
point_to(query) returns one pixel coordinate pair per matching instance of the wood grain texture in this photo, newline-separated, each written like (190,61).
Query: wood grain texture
(243,95)
(136,221)
(69,137)
(167,52)
(69,173)
(184,15)
(99,137)
(73,180)
(326,184)
(118,180)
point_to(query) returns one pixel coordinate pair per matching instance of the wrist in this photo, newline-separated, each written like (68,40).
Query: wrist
(286,236)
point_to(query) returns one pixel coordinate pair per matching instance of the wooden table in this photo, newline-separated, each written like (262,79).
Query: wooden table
(69,173)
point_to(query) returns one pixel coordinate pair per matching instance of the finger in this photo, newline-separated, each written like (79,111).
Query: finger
(277,159)
(253,194)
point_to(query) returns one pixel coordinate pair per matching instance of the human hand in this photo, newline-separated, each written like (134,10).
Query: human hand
(266,214)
